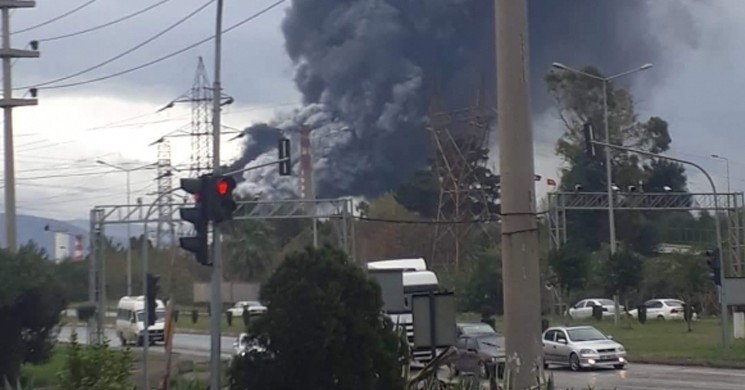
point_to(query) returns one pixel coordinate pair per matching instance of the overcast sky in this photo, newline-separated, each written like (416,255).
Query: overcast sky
(67,132)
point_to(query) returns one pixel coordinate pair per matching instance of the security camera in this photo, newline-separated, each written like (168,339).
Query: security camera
(577,188)
(632,188)
(667,189)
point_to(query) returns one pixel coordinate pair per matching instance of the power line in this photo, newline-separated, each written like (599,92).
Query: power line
(426,222)
(165,57)
(136,47)
(64,15)
(104,25)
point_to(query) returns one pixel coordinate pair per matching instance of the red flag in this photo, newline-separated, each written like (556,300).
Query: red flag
(551,182)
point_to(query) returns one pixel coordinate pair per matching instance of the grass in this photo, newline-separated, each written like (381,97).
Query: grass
(664,342)
(45,374)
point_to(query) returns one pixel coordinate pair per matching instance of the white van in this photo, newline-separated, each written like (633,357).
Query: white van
(130,316)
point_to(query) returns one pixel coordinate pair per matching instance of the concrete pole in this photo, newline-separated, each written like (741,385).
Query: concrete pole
(7,103)
(10,178)
(215,293)
(522,300)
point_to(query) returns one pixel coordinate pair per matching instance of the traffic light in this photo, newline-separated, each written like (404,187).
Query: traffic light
(285,164)
(715,263)
(198,216)
(151,292)
(219,198)
(589,136)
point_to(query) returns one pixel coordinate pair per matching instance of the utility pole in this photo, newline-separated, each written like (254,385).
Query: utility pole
(8,103)
(216,292)
(522,300)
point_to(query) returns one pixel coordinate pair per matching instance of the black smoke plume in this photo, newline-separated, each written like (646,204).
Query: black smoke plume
(367,69)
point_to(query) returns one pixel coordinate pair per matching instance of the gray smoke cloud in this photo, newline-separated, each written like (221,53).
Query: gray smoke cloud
(367,69)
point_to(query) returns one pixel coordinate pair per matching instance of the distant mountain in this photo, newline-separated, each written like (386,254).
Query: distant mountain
(32,228)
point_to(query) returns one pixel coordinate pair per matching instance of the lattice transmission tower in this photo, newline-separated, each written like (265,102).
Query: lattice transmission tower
(165,186)
(200,99)
(458,137)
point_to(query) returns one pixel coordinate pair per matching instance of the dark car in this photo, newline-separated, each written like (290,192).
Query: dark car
(473,328)
(481,353)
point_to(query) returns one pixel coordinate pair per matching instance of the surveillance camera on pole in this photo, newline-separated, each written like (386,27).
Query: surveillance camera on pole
(285,161)
(198,216)
(589,136)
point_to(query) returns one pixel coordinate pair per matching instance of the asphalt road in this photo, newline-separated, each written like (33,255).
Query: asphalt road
(190,344)
(635,376)
(647,376)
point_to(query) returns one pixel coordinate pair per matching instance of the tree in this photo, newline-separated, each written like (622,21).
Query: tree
(324,329)
(580,101)
(570,264)
(483,288)
(250,249)
(421,194)
(31,301)
(378,237)
(623,271)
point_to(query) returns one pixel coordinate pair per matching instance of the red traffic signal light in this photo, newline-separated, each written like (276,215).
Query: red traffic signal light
(220,203)
(223,187)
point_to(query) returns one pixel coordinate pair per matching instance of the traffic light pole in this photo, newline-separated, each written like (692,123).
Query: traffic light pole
(718,228)
(145,268)
(215,293)
(146,320)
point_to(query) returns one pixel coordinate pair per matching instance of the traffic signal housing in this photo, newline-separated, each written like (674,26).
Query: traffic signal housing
(219,198)
(198,216)
(285,163)
(715,264)
(151,292)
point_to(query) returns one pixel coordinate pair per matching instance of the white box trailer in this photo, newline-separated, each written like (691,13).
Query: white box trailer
(416,280)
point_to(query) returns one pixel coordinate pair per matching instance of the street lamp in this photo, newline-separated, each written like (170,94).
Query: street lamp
(129,235)
(611,217)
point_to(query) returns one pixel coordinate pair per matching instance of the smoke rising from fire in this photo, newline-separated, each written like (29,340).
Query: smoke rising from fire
(366,70)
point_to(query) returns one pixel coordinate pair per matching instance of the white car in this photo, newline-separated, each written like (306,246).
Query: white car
(663,309)
(253,307)
(583,308)
(581,347)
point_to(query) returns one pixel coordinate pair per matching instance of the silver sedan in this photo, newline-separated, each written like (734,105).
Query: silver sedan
(581,347)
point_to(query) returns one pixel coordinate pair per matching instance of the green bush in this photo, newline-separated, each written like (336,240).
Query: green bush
(95,367)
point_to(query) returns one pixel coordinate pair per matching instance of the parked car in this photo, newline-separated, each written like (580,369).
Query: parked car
(583,308)
(473,328)
(481,353)
(581,346)
(253,307)
(663,309)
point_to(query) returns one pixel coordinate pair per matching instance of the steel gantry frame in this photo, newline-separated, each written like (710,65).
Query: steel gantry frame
(726,205)
(339,210)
